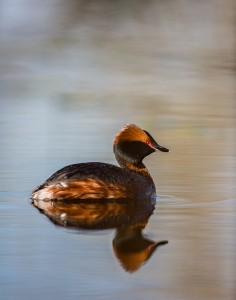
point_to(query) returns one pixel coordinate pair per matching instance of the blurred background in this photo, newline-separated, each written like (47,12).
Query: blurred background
(72,74)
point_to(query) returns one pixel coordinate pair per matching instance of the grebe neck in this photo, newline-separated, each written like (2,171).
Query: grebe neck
(137,168)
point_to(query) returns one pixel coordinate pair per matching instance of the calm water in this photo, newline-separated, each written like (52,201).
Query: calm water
(72,73)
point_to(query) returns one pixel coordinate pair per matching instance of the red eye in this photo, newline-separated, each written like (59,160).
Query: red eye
(148,143)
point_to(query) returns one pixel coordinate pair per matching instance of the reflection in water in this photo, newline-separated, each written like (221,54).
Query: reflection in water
(132,248)
(129,218)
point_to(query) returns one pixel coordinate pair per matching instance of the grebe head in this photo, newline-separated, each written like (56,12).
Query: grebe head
(132,144)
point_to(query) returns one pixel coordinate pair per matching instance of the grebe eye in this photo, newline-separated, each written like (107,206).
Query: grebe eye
(149,143)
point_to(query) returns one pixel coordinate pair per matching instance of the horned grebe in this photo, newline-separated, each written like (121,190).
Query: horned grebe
(97,181)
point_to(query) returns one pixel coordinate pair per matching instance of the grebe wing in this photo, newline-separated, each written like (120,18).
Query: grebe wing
(85,181)
(94,170)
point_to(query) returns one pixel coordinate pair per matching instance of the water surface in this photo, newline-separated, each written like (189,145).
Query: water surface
(72,75)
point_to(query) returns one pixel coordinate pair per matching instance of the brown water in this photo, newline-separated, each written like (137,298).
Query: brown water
(72,73)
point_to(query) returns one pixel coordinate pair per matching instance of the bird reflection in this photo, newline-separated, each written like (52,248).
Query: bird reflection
(131,247)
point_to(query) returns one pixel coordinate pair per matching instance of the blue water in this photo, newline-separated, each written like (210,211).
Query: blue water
(67,86)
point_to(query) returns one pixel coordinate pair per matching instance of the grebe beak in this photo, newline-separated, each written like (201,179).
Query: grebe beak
(160,148)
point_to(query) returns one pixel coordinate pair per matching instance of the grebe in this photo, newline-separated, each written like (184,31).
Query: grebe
(97,181)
